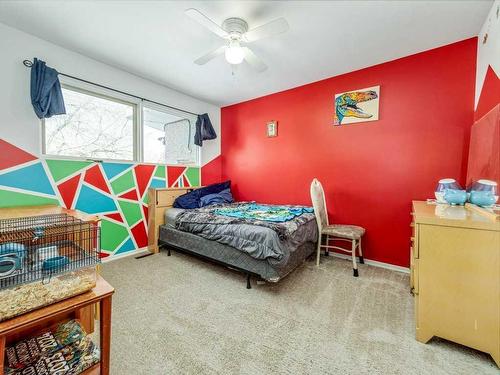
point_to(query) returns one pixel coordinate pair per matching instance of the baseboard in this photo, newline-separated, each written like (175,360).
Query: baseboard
(137,252)
(375,263)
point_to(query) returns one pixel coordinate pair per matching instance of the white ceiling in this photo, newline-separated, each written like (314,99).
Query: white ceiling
(155,40)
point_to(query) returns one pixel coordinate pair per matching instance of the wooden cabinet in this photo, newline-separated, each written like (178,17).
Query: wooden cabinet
(28,324)
(455,276)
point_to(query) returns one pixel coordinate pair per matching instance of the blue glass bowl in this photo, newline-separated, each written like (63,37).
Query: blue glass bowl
(482,198)
(454,197)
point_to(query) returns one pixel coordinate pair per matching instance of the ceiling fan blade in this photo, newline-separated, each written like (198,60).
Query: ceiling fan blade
(275,27)
(253,60)
(209,56)
(207,22)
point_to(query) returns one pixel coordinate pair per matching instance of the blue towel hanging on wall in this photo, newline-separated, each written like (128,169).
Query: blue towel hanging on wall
(46,94)
(204,130)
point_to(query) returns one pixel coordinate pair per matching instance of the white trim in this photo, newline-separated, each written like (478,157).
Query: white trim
(375,263)
(136,252)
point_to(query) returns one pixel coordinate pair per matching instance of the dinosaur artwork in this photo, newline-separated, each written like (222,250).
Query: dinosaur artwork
(348,107)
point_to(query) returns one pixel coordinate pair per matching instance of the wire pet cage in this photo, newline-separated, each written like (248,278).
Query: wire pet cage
(44,259)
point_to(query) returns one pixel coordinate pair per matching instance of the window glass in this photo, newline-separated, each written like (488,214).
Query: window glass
(168,137)
(94,127)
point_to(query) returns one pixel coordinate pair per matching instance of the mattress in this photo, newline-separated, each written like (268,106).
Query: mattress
(259,242)
(233,257)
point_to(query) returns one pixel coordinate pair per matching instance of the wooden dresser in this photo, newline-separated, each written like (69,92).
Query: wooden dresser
(455,276)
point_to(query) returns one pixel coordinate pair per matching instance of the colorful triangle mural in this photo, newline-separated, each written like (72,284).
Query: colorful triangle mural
(132,195)
(174,173)
(104,254)
(157,183)
(143,175)
(113,169)
(123,183)
(94,177)
(32,177)
(93,202)
(127,246)
(193,175)
(63,168)
(112,235)
(160,171)
(86,186)
(10,155)
(140,235)
(115,216)
(131,211)
(15,199)
(68,189)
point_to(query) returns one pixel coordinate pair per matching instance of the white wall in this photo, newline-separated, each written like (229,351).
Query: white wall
(19,124)
(488,54)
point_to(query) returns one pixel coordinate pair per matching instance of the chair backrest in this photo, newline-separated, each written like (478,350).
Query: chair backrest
(319,203)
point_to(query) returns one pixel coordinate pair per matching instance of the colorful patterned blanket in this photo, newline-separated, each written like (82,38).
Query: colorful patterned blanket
(264,212)
(284,220)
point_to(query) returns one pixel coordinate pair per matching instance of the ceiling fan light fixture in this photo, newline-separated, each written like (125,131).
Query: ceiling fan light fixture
(234,53)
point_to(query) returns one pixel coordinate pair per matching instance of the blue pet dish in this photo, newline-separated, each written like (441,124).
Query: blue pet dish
(482,198)
(455,197)
(55,262)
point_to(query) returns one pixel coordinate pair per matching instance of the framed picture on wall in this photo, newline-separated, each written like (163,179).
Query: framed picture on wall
(272,129)
(356,106)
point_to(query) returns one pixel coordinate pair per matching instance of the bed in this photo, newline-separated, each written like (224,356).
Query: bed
(269,251)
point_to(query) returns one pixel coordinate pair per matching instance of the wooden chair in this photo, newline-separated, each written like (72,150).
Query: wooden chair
(334,232)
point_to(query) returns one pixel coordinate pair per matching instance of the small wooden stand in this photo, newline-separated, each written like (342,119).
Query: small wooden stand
(30,323)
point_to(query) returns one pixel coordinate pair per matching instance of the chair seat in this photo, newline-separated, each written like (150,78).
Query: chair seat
(352,232)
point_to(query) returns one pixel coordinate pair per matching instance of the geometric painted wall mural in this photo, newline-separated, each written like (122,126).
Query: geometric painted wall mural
(117,192)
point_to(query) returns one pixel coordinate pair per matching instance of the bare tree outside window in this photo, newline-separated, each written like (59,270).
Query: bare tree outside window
(93,127)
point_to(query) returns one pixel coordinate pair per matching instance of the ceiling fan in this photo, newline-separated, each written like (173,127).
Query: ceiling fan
(235,31)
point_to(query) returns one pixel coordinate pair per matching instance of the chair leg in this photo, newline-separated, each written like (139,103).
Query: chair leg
(327,243)
(354,265)
(318,252)
(361,259)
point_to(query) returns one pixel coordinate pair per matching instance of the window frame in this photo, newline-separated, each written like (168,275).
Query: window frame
(138,106)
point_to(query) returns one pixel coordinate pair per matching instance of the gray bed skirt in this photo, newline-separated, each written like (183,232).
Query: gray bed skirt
(233,257)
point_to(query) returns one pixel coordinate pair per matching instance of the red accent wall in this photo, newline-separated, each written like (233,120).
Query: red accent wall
(212,171)
(484,149)
(370,171)
(490,94)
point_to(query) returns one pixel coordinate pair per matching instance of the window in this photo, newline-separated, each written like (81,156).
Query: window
(100,124)
(95,126)
(168,137)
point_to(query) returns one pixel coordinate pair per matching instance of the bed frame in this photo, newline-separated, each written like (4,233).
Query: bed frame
(159,201)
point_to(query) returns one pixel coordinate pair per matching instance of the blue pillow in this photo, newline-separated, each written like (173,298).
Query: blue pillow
(224,196)
(214,188)
(192,199)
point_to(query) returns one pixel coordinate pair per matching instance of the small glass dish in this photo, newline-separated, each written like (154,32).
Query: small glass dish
(483,191)
(443,185)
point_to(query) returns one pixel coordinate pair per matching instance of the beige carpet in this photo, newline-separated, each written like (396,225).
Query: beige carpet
(181,315)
